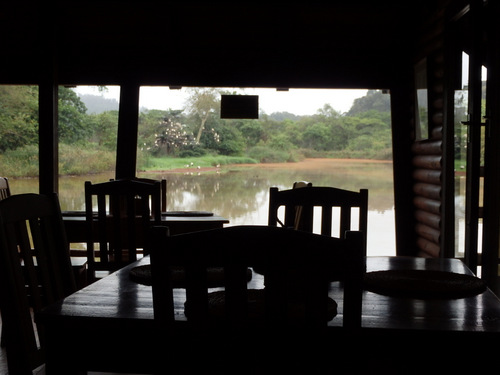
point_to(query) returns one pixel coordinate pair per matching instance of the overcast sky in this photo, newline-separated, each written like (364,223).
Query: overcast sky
(296,101)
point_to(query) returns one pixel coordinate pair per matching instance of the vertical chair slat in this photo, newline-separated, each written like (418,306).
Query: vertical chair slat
(124,230)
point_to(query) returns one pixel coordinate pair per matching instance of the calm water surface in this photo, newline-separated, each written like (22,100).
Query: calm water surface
(241,194)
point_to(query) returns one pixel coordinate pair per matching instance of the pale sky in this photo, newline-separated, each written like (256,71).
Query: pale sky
(296,101)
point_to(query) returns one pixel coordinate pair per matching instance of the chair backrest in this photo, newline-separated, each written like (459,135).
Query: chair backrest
(292,260)
(163,183)
(35,270)
(329,200)
(299,220)
(301,184)
(119,214)
(4,188)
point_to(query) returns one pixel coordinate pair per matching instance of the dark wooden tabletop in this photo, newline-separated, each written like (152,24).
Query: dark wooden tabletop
(76,230)
(117,306)
(477,313)
(127,299)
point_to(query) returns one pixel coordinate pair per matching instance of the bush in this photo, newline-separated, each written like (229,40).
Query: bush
(192,151)
(73,160)
(269,155)
(81,160)
(21,162)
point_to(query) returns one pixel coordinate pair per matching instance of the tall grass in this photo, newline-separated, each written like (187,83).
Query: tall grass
(73,160)
(80,160)
(22,162)
(90,158)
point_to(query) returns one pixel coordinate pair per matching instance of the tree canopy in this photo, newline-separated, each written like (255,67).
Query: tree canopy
(197,129)
(275,137)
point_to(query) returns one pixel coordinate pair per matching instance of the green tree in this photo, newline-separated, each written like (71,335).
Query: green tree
(251,131)
(328,111)
(104,129)
(281,142)
(202,102)
(18,116)
(173,136)
(373,100)
(166,133)
(230,141)
(370,131)
(322,132)
(150,125)
(72,113)
(317,137)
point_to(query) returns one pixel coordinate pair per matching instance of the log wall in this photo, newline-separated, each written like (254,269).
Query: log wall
(427,155)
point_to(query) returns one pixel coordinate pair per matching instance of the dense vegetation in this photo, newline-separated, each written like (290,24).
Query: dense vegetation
(88,138)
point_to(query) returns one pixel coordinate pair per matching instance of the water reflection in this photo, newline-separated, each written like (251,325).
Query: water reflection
(241,194)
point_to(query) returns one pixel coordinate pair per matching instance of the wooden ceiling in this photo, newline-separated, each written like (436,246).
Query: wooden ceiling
(341,44)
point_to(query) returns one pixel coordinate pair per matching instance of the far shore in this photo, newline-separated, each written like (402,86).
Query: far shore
(308,163)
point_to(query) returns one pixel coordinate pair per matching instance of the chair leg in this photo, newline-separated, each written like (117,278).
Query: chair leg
(2,340)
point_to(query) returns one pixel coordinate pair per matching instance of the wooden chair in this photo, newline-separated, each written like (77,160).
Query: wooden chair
(35,270)
(119,222)
(4,188)
(301,184)
(298,209)
(327,199)
(163,183)
(243,325)
(79,264)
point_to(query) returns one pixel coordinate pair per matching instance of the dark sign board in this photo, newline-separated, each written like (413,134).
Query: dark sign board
(239,106)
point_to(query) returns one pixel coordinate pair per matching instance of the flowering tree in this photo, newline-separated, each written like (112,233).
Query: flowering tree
(173,136)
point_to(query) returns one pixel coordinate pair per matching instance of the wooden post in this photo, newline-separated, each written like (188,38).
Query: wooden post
(128,120)
(473,143)
(48,110)
(491,220)
(401,118)
(452,60)
(48,147)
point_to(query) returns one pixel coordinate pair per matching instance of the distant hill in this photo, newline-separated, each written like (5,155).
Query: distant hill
(373,100)
(281,116)
(97,104)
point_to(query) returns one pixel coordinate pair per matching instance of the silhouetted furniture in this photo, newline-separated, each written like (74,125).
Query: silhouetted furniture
(163,183)
(289,313)
(76,224)
(298,209)
(120,310)
(4,193)
(334,203)
(30,277)
(79,264)
(4,188)
(119,222)
(301,184)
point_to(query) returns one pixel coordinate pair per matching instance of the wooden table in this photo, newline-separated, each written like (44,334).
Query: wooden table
(117,313)
(76,231)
